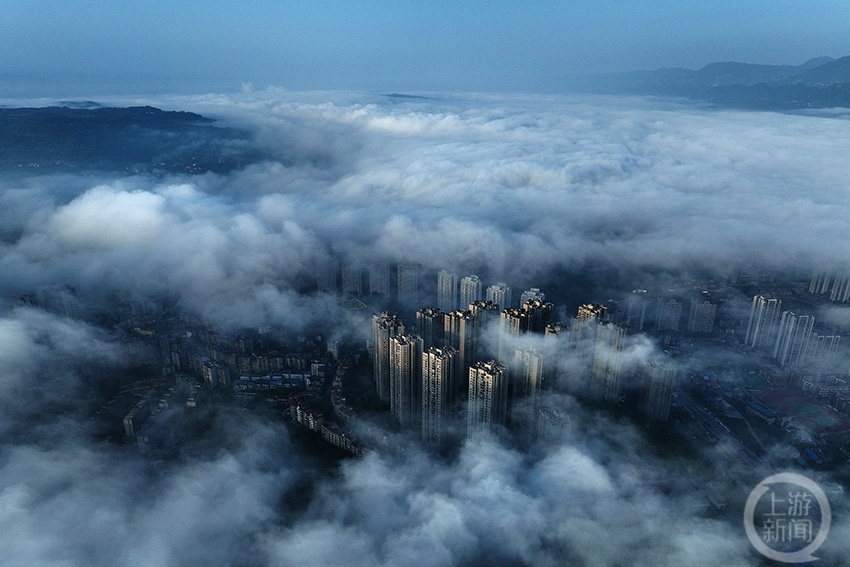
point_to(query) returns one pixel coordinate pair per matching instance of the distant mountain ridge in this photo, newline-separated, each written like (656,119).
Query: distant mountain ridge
(820,82)
(833,72)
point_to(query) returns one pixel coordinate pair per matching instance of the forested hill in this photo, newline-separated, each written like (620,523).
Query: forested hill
(84,137)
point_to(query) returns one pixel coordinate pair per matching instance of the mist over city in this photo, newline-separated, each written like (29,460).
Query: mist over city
(459,298)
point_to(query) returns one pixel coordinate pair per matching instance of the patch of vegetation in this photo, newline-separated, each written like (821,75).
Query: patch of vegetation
(132,140)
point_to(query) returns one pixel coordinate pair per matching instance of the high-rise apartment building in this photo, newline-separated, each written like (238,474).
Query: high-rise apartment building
(526,381)
(820,282)
(447,292)
(439,391)
(459,328)
(669,315)
(379,279)
(763,323)
(488,393)
(327,274)
(822,349)
(658,381)
(606,369)
(701,316)
(485,311)
(591,312)
(384,326)
(837,284)
(430,326)
(500,294)
(470,290)
(529,294)
(352,279)
(514,323)
(792,341)
(408,285)
(406,379)
(555,329)
(537,315)
(553,426)
(636,305)
(485,317)
(840,288)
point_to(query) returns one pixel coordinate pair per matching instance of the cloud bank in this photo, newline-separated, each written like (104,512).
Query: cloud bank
(512,187)
(69,500)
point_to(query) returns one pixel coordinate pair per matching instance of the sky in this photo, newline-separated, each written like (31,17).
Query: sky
(378,45)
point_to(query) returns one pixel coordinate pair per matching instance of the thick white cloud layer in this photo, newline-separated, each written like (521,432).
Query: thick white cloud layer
(518,186)
(515,186)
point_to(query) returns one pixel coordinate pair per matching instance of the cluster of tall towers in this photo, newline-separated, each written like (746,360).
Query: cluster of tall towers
(834,283)
(595,345)
(493,362)
(461,356)
(668,313)
(599,370)
(788,335)
(400,281)
(454,293)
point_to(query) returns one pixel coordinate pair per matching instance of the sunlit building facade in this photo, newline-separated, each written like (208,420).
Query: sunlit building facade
(439,376)
(763,323)
(500,294)
(470,290)
(537,315)
(384,326)
(792,341)
(406,379)
(529,294)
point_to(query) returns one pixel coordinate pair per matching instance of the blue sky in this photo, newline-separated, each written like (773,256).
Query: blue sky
(384,45)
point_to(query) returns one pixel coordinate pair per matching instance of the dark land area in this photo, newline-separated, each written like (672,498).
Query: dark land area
(821,82)
(85,137)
